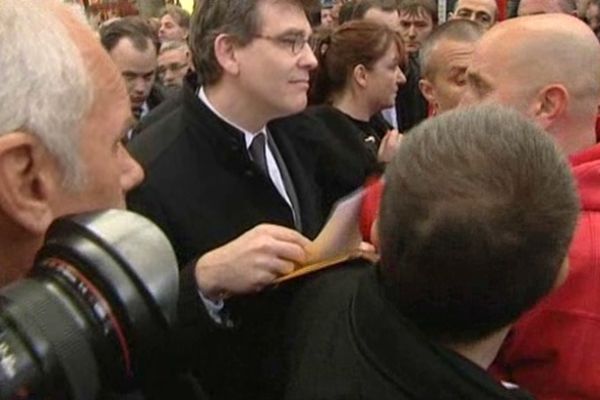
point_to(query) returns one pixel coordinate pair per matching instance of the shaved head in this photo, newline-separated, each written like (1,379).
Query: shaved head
(533,7)
(523,63)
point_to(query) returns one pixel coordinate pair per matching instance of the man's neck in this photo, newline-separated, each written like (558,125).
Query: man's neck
(16,258)
(484,351)
(234,106)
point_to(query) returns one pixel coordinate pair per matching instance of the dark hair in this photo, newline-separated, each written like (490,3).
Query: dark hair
(476,218)
(419,7)
(340,50)
(136,29)
(179,15)
(346,12)
(459,30)
(239,18)
(362,6)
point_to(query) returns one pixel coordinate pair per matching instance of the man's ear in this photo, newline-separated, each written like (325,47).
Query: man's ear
(225,53)
(359,74)
(428,91)
(28,176)
(550,103)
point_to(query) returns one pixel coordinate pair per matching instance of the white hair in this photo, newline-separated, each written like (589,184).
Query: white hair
(46,90)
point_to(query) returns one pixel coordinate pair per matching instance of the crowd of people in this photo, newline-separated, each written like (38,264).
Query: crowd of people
(236,130)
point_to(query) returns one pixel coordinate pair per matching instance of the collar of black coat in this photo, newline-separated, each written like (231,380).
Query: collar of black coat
(401,353)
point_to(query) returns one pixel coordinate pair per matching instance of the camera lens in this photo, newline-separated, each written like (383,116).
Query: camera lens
(95,311)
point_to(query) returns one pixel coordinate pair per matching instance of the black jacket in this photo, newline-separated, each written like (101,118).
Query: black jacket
(347,342)
(346,149)
(202,190)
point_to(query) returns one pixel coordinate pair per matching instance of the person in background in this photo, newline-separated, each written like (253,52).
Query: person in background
(418,18)
(174,24)
(444,58)
(484,12)
(358,76)
(380,11)
(131,45)
(174,62)
(327,20)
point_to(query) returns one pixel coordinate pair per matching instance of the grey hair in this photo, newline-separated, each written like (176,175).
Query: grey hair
(46,90)
(173,45)
(459,30)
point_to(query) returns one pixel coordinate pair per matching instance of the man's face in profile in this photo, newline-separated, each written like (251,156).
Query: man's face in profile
(108,169)
(448,61)
(274,67)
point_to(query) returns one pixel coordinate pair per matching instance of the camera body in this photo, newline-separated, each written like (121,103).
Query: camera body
(95,311)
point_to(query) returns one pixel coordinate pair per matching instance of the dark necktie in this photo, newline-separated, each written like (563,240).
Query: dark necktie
(258,154)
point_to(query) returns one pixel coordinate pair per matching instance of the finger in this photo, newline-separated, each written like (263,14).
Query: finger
(285,234)
(274,266)
(288,251)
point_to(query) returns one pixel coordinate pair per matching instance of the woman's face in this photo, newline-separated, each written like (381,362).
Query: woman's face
(383,80)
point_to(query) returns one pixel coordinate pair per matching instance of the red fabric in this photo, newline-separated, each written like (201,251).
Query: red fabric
(370,206)
(501,9)
(554,350)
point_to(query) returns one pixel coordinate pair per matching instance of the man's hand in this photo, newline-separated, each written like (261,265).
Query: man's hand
(389,144)
(250,262)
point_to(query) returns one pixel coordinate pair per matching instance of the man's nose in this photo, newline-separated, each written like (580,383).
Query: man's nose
(411,31)
(308,59)
(139,85)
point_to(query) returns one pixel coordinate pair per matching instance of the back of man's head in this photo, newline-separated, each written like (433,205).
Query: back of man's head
(475,221)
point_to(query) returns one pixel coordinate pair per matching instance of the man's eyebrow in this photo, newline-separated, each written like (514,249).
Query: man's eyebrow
(295,32)
(478,80)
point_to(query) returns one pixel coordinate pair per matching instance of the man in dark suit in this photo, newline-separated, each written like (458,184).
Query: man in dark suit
(231,189)
(468,242)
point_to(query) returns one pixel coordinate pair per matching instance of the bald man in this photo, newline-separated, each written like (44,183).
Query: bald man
(554,350)
(534,7)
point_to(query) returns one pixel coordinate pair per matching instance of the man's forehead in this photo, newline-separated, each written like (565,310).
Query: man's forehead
(488,5)
(270,18)
(453,48)
(174,54)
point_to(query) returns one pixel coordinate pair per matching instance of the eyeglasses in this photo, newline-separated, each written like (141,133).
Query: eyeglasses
(294,43)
